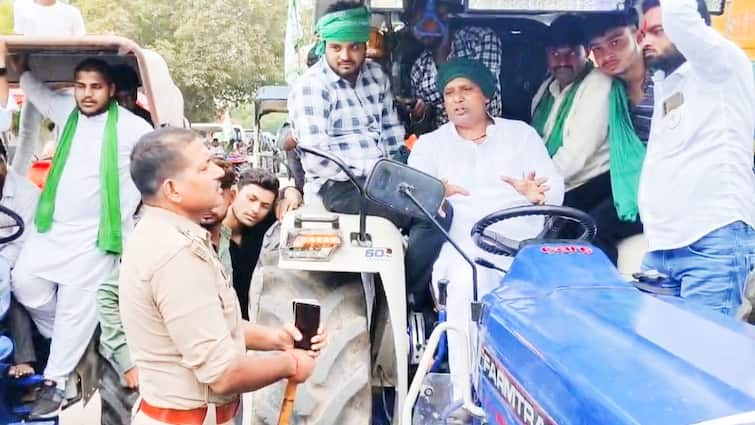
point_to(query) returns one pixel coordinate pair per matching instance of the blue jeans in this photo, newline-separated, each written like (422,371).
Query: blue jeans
(712,271)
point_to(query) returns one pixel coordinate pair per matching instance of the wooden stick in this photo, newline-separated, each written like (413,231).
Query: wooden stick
(287,406)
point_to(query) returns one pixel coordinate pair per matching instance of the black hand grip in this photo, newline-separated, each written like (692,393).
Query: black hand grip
(442,291)
(332,220)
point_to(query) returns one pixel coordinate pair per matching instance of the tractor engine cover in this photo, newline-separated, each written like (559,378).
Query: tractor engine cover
(566,340)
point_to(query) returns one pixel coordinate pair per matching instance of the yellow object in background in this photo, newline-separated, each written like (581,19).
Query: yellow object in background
(6,17)
(738,23)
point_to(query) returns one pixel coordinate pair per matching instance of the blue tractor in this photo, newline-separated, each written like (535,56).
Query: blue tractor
(565,339)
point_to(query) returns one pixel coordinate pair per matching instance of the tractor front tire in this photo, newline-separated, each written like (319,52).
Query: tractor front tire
(338,392)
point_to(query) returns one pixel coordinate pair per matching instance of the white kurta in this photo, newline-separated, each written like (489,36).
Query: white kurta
(697,176)
(6,118)
(67,254)
(20,196)
(512,149)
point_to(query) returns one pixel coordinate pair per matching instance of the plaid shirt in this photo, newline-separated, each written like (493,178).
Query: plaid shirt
(477,43)
(642,113)
(357,123)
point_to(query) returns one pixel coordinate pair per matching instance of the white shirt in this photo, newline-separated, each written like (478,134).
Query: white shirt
(21,196)
(59,20)
(6,118)
(512,149)
(584,153)
(67,253)
(698,172)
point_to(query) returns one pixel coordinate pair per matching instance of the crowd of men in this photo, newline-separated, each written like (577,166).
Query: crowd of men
(61,278)
(654,136)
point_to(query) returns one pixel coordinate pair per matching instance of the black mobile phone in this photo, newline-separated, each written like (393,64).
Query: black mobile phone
(307,321)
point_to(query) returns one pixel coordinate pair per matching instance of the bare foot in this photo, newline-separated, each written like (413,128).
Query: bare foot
(20,370)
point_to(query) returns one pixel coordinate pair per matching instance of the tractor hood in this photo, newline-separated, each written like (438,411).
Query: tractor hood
(565,340)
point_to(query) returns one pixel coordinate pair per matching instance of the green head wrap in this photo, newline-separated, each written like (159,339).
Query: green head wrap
(469,69)
(350,25)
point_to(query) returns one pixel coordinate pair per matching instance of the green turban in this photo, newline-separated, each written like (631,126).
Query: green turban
(350,25)
(470,69)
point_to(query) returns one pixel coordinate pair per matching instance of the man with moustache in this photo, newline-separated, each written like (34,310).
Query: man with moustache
(84,212)
(460,153)
(570,111)
(180,313)
(343,104)
(120,378)
(611,198)
(473,42)
(213,220)
(697,191)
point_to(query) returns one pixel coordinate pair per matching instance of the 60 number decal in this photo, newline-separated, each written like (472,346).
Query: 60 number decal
(378,253)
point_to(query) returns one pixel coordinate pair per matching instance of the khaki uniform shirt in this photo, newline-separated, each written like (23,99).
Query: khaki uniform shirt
(180,312)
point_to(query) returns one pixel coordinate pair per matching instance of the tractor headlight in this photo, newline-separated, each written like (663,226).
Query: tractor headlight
(312,244)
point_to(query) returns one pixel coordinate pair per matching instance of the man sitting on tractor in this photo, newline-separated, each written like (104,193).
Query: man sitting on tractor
(21,196)
(478,43)
(343,104)
(488,164)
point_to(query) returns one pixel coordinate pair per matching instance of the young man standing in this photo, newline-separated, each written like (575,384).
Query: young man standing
(84,212)
(249,217)
(697,192)
(343,105)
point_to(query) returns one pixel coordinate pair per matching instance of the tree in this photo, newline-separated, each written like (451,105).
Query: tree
(218,51)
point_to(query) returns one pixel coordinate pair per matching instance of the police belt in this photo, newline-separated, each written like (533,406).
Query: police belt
(224,413)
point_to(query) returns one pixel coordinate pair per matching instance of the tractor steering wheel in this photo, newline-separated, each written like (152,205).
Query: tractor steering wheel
(18,224)
(495,243)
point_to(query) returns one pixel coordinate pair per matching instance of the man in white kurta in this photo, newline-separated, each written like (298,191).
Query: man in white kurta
(16,193)
(58,271)
(488,164)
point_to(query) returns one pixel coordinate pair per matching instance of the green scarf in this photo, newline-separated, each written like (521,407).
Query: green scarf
(109,238)
(626,152)
(350,25)
(545,106)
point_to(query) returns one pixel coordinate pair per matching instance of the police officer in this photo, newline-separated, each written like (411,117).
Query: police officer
(180,312)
